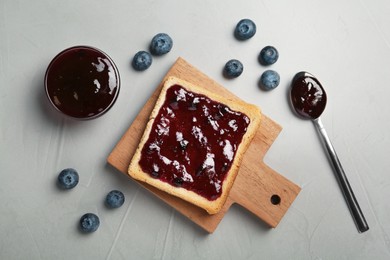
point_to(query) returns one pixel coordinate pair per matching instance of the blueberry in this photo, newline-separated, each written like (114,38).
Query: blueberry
(268,55)
(161,44)
(115,199)
(233,69)
(269,80)
(89,223)
(142,60)
(68,179)
(245,29)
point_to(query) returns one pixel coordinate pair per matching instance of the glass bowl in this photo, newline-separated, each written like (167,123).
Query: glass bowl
(82,82)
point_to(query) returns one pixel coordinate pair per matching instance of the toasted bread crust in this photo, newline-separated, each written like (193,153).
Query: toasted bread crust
(214,206)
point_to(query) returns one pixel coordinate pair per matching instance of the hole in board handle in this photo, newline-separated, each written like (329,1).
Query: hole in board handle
(275,199)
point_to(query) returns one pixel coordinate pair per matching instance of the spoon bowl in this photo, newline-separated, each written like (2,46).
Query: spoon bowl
(308,99)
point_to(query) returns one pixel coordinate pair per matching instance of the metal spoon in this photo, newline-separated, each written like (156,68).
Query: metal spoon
(308,98)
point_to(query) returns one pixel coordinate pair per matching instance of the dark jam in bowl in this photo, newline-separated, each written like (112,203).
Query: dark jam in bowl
(82,82)
(308,97)
(193,142)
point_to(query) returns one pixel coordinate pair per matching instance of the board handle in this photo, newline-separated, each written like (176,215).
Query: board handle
(264,192)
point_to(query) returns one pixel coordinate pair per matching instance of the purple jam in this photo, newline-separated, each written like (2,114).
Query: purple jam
(307,96)
(193,142)
(82,82)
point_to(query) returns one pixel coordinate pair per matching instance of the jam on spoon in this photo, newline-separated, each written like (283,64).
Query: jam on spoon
(308,99)
(82,82)
(307,96)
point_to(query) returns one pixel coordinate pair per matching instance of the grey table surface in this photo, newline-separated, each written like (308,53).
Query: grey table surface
(345,43)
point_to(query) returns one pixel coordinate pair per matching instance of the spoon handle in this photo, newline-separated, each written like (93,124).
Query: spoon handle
(353,204)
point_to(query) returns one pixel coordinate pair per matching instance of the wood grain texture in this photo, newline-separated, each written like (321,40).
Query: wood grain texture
(255,184)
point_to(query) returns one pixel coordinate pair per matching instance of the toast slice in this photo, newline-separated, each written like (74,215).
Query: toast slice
(193,143)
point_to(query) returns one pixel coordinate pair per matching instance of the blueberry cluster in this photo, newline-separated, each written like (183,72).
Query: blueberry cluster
(89,222)
(270,79)
(161,44)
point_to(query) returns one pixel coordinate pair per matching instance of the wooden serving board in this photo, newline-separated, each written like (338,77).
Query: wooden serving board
(257,187)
